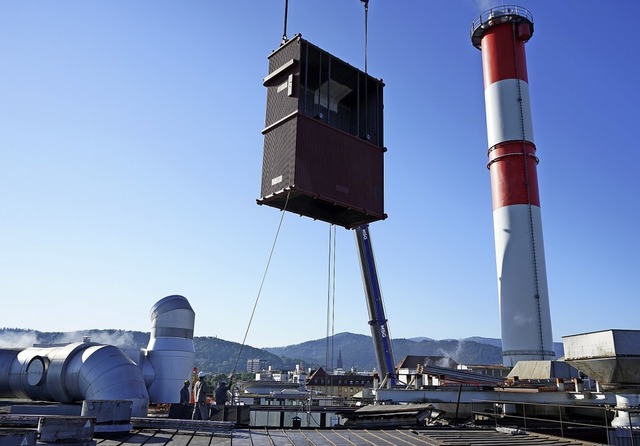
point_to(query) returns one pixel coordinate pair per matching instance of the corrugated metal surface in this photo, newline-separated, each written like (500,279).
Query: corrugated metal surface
(168,432)
(342,437)
(492,437)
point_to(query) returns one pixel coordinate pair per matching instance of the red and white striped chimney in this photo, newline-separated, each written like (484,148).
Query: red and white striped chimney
(500,34)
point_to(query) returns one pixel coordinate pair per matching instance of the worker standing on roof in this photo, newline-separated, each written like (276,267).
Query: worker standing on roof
(200,395)
(185,396)
(184,393)
(221,393)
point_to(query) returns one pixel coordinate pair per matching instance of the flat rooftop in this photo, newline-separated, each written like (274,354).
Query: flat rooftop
(150,431)
(342,437)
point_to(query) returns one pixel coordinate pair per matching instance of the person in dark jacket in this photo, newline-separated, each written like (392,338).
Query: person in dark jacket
(185,397)
(184,393)
(221,393)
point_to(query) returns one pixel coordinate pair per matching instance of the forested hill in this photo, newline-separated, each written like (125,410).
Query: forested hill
(357,350)
(216,355)
(213,355)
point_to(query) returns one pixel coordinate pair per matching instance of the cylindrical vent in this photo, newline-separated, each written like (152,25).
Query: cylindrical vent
(170,351)
(501,34)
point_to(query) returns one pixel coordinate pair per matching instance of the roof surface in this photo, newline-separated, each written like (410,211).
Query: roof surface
(343,437)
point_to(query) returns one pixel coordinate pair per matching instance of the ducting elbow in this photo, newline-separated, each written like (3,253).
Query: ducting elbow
(170,350)
(107,373)
(74,372)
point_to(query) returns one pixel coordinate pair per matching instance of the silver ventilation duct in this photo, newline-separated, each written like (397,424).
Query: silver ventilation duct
(612,358)
(90,372)
(170,354)
(74,372)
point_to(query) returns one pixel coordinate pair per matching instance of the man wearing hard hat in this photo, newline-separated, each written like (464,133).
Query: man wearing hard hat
(200,397)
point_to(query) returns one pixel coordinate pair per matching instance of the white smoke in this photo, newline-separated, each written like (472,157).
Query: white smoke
(21,339)
(453,354)
(117,338)
(18,340)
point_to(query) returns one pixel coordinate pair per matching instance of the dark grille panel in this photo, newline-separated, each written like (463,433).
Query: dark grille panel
(279,104)
(325,140)
(279,158)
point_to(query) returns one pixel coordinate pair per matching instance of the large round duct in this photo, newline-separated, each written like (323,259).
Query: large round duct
(74,372)
(170,351)
(93,372)
(7,357)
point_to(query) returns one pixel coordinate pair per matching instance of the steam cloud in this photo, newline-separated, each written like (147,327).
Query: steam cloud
(18,340)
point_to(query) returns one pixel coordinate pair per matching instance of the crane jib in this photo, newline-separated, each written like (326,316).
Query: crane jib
(378,321)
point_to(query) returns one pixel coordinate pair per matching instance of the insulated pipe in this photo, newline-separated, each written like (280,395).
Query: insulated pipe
(90,371)
(500,34)
(170,353)
(74,372)
(7,358)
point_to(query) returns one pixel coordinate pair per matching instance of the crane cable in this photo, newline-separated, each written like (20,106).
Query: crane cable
(286,13)
(366,31)
(331,299)
(331,280)
(264,276)
(273,246)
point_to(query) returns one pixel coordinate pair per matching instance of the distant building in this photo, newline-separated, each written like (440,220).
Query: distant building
(271,381)
(339,361)
(256,365)
(338,385)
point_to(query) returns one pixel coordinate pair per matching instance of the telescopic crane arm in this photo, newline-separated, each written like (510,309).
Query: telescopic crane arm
(375,305)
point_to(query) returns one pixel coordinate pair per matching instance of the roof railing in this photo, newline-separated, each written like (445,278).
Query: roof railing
(495,16)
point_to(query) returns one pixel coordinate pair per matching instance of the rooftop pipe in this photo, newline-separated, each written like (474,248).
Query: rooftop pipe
(91,371)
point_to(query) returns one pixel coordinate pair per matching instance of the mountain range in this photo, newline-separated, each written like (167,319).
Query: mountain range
(217,355)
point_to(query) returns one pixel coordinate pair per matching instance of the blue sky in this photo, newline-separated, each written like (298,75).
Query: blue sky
(130,161)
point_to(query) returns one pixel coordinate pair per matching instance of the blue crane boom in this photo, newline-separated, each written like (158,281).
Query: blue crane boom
(377,318)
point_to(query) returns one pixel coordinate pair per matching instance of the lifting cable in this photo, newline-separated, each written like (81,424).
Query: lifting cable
(273,246)
(286,13)
(331,273)
(264,276)
(331,299)
(366,31)
(366,72)
(333,293)
(331,282)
